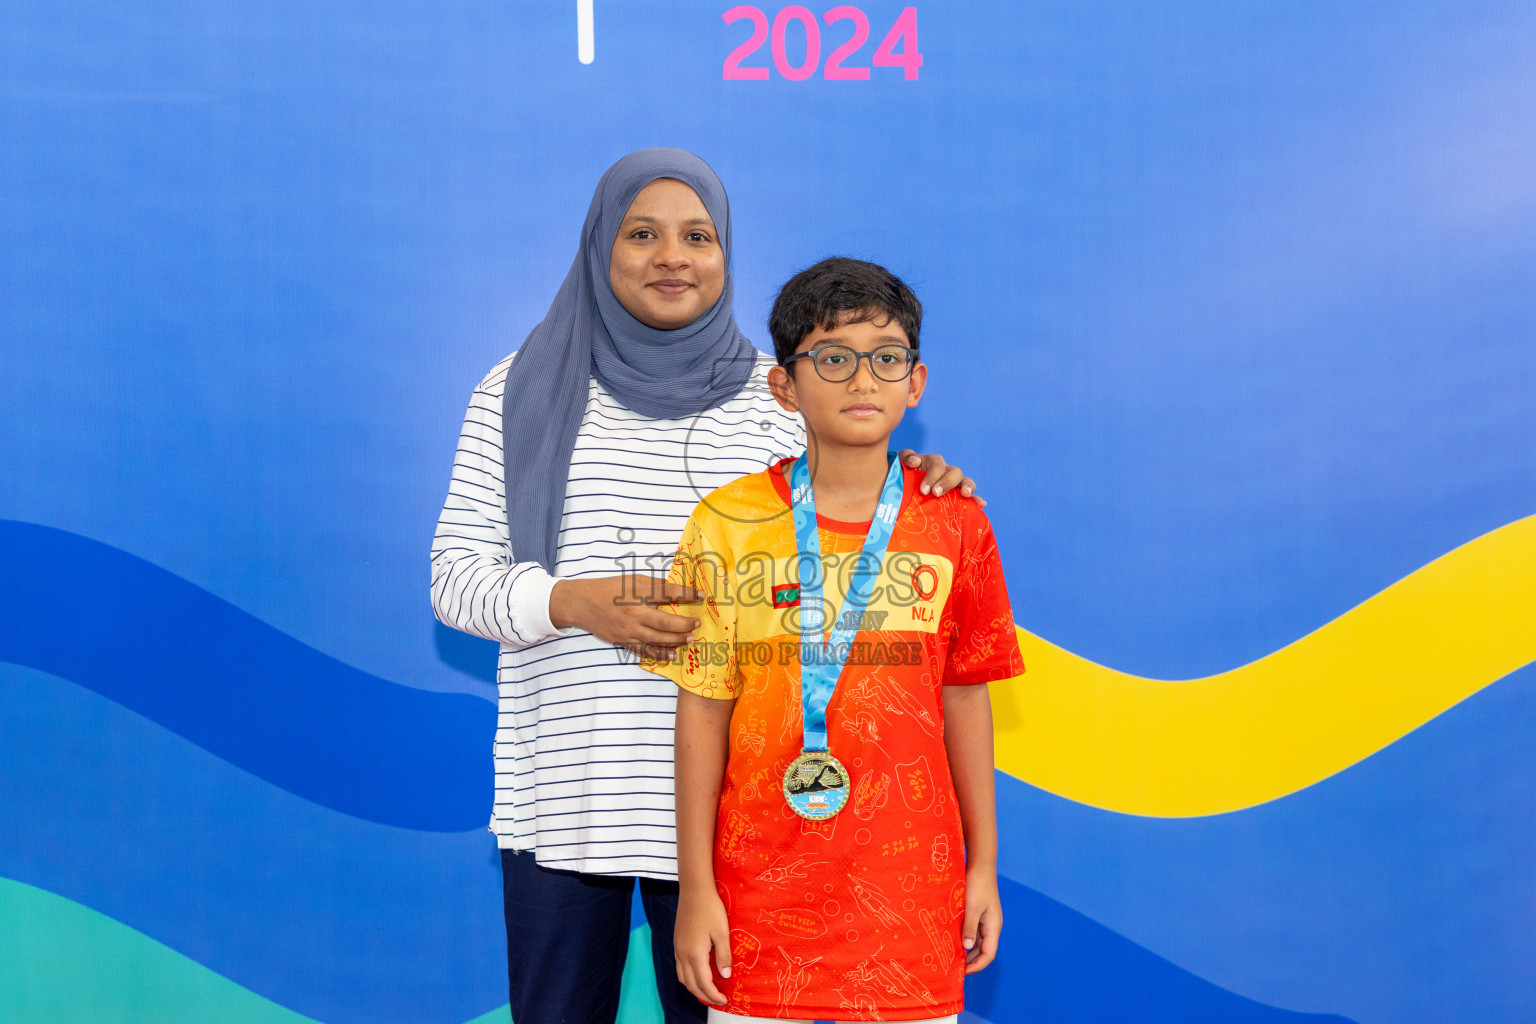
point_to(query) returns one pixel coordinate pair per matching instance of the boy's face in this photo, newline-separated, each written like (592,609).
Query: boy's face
(862,410)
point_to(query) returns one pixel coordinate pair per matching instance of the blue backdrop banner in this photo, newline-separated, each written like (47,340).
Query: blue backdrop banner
(1231,311)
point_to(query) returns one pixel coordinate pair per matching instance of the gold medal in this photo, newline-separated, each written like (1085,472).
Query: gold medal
(816,785)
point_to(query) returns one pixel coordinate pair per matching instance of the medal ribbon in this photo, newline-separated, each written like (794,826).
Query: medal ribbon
(821,656)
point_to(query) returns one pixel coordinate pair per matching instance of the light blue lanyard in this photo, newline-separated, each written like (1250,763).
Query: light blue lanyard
(821,661)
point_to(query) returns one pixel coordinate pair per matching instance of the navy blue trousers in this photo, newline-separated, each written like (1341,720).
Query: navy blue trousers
(568,935)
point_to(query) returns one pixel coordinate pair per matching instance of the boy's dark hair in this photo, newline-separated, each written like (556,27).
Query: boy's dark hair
(840,291)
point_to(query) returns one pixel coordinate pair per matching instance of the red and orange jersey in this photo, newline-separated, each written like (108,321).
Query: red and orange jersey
(857,917)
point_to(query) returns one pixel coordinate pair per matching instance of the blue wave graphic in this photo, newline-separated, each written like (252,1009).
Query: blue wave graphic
(1056,965)
(343,920)
(311,908)
(352,922)
(1339,896)
(239,688)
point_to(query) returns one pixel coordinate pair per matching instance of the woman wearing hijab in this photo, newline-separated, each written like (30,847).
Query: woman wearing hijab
(634,398)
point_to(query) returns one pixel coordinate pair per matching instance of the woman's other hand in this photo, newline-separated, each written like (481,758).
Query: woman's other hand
(622,610)
(702,930)
(939,476)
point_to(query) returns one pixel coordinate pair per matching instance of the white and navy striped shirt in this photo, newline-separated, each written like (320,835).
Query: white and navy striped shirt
(583,746)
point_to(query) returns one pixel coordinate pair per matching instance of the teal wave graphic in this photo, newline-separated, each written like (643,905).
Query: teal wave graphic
(62,963)
(340,919)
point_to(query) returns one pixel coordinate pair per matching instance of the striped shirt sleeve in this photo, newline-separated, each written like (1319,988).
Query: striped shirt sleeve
(477,586)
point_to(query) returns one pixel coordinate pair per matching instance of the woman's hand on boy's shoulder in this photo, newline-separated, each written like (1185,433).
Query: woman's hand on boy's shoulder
(939,477)
(983,918)
(703,931)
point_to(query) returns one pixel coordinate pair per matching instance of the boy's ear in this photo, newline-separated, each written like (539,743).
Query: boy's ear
(916,383)
(783,387)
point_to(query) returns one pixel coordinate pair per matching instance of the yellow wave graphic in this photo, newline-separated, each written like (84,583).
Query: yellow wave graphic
(1293,718)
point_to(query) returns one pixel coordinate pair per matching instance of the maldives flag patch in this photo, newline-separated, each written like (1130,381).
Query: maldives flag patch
(786,595)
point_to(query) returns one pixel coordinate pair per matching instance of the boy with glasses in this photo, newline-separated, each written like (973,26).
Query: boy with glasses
(836,832)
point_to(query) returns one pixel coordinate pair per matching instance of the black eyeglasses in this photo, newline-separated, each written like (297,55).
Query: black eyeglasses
(837,363)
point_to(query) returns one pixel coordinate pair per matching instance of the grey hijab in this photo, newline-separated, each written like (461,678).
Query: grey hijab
(588,333)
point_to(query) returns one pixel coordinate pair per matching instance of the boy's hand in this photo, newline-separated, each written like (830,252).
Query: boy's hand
(702,929)
(622,610)
(939,476)
(983,918)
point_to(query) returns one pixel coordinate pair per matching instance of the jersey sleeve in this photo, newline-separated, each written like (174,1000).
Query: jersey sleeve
(708,665)
(983,645)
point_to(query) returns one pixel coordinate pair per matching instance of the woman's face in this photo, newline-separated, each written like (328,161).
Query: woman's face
(667,267)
